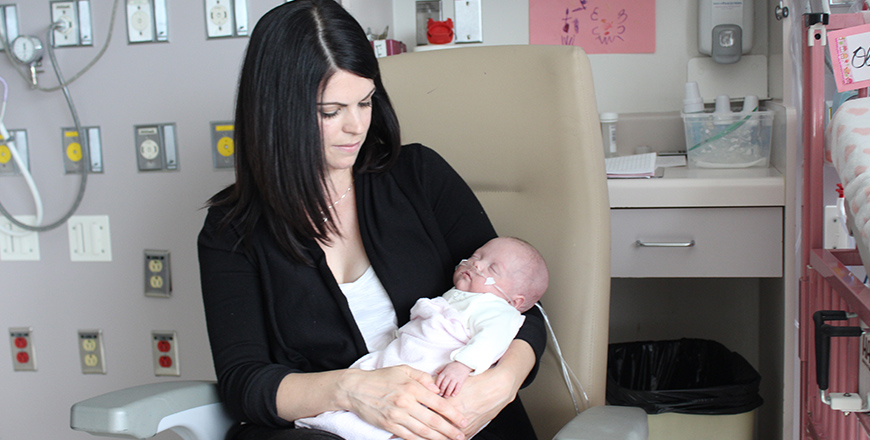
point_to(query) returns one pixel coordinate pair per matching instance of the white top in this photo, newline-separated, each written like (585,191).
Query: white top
(372,309)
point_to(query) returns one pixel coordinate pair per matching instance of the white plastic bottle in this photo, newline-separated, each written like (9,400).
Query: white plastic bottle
(693,103)
(608,133)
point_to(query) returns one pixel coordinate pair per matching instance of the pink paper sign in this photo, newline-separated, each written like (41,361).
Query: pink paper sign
(598,26)
(850,56)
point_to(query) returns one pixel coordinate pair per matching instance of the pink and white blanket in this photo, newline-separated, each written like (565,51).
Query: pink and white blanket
(847,146)
(435,331)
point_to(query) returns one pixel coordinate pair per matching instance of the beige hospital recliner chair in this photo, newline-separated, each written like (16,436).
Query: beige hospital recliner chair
(520,124)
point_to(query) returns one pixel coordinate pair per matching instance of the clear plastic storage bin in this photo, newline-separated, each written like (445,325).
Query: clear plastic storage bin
(734,140)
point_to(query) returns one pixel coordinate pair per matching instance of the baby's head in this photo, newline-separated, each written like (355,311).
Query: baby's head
(507,267)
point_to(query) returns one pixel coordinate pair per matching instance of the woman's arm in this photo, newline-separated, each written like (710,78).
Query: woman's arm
(485,395)
(259,390)
(401,400)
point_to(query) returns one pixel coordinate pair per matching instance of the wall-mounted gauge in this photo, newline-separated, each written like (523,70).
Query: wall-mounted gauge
(27,49)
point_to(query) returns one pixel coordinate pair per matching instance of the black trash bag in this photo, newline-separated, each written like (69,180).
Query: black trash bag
(688,376)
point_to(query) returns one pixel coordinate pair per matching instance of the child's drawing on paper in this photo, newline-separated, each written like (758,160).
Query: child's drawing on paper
(610,24)
(571,24)
(598,26)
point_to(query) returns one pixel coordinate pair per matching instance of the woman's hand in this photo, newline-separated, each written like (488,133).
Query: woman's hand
(483,396)
(404,401)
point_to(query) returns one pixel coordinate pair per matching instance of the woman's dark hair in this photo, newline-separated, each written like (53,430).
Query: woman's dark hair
(280,168)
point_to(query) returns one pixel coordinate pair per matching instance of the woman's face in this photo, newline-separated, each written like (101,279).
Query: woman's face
(345,113)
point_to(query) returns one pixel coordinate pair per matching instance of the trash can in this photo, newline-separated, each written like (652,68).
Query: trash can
(690,388)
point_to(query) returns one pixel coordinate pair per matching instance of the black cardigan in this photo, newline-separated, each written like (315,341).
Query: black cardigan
(269,316)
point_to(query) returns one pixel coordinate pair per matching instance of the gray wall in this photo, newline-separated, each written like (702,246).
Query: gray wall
(191,82)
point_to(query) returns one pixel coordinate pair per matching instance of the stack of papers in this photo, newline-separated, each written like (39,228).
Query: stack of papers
(627,167)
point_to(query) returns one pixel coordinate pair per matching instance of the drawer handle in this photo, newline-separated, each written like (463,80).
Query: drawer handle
(664,244)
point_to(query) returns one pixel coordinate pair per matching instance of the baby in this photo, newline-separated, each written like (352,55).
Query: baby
(461,333)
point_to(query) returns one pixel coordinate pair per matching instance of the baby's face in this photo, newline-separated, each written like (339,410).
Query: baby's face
(493,268)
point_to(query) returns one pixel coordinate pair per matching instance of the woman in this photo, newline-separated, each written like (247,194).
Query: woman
(328,207)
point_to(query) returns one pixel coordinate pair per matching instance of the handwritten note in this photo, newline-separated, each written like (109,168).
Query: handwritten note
(598,26)
(850,56)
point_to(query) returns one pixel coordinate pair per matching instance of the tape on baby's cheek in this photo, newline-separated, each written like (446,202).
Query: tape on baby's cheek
(489,281)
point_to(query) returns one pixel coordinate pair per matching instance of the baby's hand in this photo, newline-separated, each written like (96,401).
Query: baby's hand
(451,378)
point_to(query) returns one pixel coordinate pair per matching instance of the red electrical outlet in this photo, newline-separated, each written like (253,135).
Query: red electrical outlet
(23,354)
(164,346)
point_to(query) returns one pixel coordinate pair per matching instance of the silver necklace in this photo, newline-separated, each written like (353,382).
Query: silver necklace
(332,206)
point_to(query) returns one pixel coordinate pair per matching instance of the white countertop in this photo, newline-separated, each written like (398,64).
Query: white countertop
(684,187)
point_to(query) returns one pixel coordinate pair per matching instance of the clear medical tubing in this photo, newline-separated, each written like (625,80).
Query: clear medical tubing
(567,374)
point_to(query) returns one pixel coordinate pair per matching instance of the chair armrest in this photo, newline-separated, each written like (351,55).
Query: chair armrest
(192,409)
(607,423)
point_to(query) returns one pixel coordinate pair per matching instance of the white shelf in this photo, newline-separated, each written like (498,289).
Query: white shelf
(683,187)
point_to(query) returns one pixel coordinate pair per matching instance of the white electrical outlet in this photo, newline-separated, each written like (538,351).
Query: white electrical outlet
(140,21)
(91,352)
(23,351)
(158,277)
(89,238)
(219,18)
(164,346)
(19,247)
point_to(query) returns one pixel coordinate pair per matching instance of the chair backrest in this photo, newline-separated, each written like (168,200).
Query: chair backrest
(520,124)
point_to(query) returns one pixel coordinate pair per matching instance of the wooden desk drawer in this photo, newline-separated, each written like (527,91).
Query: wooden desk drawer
(725,242)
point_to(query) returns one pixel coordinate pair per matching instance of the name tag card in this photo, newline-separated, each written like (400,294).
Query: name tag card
(850,57)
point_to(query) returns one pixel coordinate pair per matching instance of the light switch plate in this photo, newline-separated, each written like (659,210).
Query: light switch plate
(89,238)
(19,247)
(469,22)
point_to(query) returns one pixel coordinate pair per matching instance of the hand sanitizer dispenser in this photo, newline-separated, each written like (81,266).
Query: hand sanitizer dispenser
(725,29)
